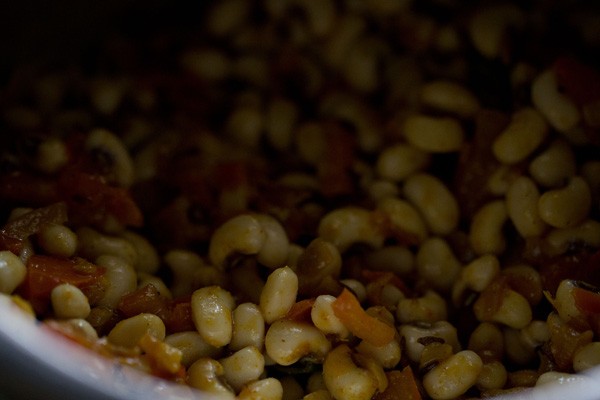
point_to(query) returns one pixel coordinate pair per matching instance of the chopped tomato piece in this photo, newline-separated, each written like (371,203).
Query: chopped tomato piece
(334,170)
(178,316)
(580,82)
(301,310)
(370,275)
(586,301)
(362,325)
(146,299)
(44,273)
(401,385)
(90,197)
(19,229)
(26,188)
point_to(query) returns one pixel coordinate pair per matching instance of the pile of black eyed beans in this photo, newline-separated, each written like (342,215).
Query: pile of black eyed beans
(294,199)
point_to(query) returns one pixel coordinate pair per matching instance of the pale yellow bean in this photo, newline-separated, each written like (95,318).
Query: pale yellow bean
(590,171)
(120,278)
(264,389)
(490,26)
(397,259)
(486,235)
(106,95)
(453,376)
(324,318)
(281,117)
(568,206)
(92,244)
(404,220)
(554,166)
(128,332)
(563,301)
(148,260)
(111,146)
(517,350)
(449,97)
(344,379)
(388,356)
(278,294)
(242,234)
(433,134)
(434,200)
(437,264)
(157,282)
(322,394)
(500,180)
(192,346)
(480,272)
(242,367)
(58,240)
(560,240)
(587,357)
(361,65)
(525,132)
(476,276)
(227,17)
(412,334)
(380,189)
(514,310)
(535,334)
(52,155)
(315,382)
(559,110)
(487,340)
(68,301)
(206,374)
(245,125)
(401,160)
(431,307)
(292,390)
(248,327)
(310,140)
(287,341)
(207,63)
(12,272)
(357,287)
(83,327)
(184,265)
(212,314)
(493,375)
(351,225)
(559,378)
(275,249)
(522,200)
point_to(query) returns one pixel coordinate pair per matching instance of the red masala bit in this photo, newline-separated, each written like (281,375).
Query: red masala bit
(477,162)
(301,310)
(565,340)
(44,273)
(579,81)
(384,277)
(334,170)
(26,188)
(582,266)
(90,198)
(176,314)
(146,299)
